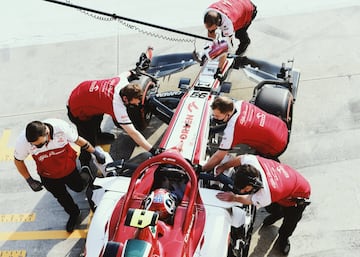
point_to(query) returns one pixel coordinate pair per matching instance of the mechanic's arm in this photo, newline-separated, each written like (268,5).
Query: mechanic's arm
(137,136)
(222,60)
(234,162)
(85,145)
(231,197)
(21,167)
(214,160)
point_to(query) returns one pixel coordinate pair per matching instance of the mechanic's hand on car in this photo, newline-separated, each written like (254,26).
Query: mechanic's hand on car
(218,170)
(100,157)
(155,150)
(226,196)
(34,184)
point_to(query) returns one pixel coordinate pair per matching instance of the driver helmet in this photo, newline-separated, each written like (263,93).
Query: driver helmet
(161,201)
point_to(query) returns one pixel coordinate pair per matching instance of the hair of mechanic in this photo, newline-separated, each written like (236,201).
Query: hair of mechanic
(34,130)
(131,91)
(245,175)
(223,104)
(212,18)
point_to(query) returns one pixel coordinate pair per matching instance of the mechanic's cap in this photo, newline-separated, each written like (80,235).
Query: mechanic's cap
(247,175)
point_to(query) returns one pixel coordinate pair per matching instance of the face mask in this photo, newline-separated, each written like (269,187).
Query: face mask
(219,121)
(42,144)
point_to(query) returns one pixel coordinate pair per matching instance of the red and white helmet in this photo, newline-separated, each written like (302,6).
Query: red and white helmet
(161,201)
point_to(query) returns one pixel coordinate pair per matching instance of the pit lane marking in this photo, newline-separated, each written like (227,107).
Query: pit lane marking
(24,217)
(42,235)
(13,253)
(6,153)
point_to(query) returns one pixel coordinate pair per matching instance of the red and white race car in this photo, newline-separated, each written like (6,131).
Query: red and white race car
(165,208)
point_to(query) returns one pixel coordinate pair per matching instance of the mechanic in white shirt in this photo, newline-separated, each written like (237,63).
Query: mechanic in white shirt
(267,183)
(233,17)
(48,143)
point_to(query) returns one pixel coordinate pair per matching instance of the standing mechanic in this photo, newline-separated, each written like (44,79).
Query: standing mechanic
(264,182)
(90,100)
(232,17)
(49,144)
(247,124)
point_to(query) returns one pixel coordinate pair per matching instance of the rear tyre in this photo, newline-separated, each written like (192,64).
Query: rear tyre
(277,101)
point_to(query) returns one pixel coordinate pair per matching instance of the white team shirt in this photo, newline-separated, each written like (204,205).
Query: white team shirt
(63,134)
(262,197)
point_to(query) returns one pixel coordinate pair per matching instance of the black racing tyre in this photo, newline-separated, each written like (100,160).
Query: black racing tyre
(277,101)
(111,249)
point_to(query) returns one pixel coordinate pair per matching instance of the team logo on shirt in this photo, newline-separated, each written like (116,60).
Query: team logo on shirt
(261,116)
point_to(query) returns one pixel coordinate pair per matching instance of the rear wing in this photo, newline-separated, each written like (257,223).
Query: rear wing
(261,71)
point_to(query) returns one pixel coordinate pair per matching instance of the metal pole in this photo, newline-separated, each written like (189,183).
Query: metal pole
(115,16)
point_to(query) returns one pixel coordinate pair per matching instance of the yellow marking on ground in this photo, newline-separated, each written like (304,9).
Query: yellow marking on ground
(106,147)
(24,217)
(43,235)
(13,253)
(6,153)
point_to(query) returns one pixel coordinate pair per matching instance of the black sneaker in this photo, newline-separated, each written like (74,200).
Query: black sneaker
(71,223)
(242,47)
(271,219)
(86,175)
(284,245)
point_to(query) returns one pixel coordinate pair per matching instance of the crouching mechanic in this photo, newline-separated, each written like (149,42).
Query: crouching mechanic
(263,182)
(233,17)
(49,144)
(247,124)
(90,100)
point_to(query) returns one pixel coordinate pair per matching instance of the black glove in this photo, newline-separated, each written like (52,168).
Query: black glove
(155,151)
(218,75)
(198,168)
(100,157)
(34,184)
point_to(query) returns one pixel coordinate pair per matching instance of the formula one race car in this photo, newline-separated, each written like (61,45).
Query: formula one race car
(187,111)
(162,211)
(162,206)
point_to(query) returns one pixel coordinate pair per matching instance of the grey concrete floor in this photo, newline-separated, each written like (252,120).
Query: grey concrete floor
(37,79)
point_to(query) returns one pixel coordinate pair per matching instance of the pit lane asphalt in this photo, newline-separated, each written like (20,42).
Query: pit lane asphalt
(36,81)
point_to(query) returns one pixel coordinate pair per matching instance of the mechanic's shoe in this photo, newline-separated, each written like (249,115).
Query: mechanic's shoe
(242,47)
(86,176)
(237,63)
(284,245)
(71,223)
(271,219)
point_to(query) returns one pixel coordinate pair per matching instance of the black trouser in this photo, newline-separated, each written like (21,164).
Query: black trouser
(57,187)
(241,33)
(88,129)
(292,215)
